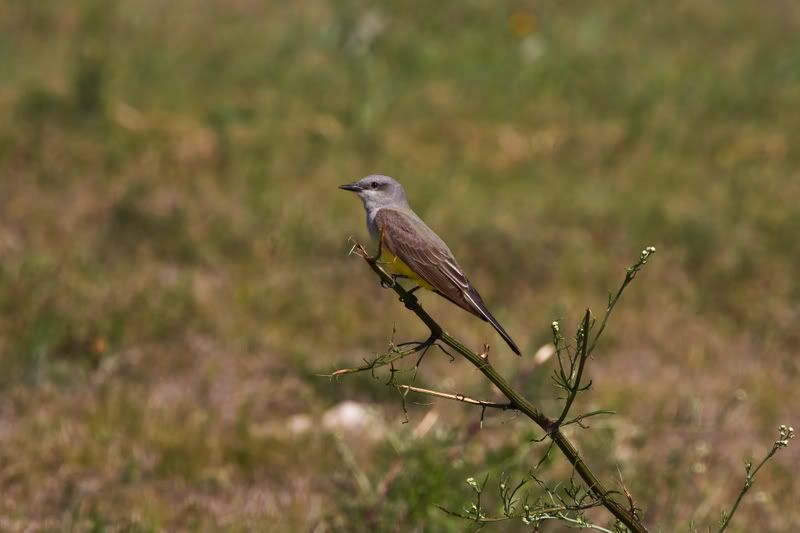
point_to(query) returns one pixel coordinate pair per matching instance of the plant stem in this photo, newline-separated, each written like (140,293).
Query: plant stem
(575,387)
(748,482)
(456,397)
(517,401)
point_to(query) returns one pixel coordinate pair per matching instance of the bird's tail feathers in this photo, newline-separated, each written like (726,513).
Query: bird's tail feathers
(480,309)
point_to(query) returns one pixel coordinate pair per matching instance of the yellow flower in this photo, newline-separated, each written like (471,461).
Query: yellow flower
(521,24)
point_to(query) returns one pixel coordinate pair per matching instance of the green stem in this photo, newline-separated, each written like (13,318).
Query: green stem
(575,386)
(519,402)
(751,476)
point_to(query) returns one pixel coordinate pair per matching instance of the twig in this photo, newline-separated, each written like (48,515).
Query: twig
(387,358)
(457,397)
(579,419)
(785,434)
(516,400)
(631,504)
(575,379)
(577,362)
(630,274)
(555,512)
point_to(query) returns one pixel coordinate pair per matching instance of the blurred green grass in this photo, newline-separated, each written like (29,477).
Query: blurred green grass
(174,265)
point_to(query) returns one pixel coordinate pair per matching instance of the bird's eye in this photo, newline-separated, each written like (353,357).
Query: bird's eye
(374,184)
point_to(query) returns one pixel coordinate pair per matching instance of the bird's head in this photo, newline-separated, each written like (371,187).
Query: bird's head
(378,191)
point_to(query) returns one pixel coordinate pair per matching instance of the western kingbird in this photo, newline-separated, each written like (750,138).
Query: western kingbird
(410,249)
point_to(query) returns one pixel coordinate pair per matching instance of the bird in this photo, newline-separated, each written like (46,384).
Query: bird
(412,250)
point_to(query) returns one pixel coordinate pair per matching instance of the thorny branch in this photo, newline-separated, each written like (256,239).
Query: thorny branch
(569,377)
(552,427)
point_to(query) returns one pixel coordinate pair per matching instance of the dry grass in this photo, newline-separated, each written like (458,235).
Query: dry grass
(174,274)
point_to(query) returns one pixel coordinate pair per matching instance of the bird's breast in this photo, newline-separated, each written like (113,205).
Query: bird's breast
(394,265)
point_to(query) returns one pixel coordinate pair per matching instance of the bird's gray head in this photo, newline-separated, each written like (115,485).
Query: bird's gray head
(378,191)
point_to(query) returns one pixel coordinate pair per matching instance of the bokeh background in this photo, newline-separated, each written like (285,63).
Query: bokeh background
(174,269)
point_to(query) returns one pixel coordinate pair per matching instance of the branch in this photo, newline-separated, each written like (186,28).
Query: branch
(393,354)
(579,419)
(517,401)
(572,383)
(457,397)
(785,434)
(537,515)
(569,508)
(575,379)
(630,274)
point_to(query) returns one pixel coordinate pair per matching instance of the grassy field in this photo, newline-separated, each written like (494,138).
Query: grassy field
(174,271)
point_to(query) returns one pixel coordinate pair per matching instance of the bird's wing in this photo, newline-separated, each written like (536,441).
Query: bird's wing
(414,243)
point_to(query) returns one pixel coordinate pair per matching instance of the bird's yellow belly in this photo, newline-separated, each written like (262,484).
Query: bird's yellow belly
(394,265)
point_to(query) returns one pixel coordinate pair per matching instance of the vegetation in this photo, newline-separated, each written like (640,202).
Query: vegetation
(175,276)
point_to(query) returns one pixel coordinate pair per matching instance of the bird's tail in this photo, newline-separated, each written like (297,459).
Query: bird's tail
(479,308)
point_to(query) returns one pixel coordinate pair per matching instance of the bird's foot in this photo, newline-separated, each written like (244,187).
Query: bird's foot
(422,348)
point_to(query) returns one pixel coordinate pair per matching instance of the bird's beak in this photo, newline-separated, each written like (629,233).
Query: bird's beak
(352,187)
